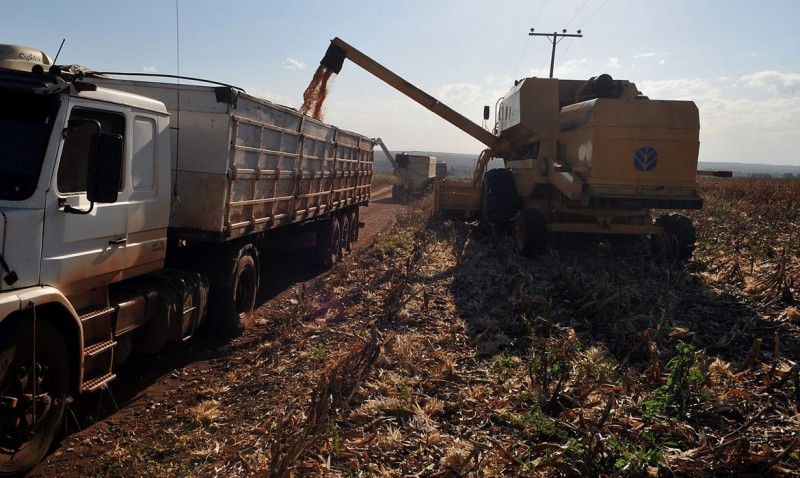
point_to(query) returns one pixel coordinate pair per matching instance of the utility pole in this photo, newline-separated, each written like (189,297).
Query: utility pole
(556,37)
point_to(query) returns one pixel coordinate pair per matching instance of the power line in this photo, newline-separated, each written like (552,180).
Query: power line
(576,13)
(524,49)
(583,26)
(540,13)
(595,13)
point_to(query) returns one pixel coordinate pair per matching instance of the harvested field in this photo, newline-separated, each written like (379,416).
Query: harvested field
(438,351)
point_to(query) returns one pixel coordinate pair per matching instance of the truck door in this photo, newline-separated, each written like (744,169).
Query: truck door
(149,187)
(84,243)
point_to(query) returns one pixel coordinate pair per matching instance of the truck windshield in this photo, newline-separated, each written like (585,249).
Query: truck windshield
(25,124)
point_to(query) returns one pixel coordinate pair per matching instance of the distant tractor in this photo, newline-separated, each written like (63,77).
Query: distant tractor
(415,173)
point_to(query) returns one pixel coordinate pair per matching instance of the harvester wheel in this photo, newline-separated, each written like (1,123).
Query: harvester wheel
(499,201)
(530,232)
(397,192)
(678,239)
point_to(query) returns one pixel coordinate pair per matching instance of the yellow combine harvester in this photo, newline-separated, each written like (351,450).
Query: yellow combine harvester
(580,157)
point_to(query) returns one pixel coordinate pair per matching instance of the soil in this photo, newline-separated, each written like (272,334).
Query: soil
(153,384)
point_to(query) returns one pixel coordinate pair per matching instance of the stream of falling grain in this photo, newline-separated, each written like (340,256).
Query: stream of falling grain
(315,94)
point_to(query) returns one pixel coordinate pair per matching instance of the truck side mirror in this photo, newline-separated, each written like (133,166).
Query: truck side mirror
(105,168)
(485,112)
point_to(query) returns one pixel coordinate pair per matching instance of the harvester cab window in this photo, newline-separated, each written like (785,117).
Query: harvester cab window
(83,124)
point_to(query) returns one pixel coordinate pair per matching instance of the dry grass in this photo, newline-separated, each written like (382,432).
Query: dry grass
(453,356)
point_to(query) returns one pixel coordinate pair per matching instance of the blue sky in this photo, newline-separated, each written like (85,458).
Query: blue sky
(738,60)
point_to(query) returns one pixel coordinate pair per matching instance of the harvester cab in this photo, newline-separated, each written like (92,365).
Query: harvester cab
(580,156)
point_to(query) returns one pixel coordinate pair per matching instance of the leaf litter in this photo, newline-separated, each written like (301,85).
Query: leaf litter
(438,351)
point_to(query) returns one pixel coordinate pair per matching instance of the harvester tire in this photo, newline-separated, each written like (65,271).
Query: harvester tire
(678,239)
(530,232)
(398,192)
(499,200)
(33,377)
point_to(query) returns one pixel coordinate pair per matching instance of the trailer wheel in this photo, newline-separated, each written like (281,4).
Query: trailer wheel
(234,305)
(499,200)
(530,232)
(346,237)
(33,389)
(328,244)
(678,239)
(354,227)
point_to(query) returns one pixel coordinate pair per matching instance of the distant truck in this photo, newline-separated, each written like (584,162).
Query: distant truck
(129,209)
(414,172)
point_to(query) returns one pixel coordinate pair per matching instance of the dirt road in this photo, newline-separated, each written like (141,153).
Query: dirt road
(149,384)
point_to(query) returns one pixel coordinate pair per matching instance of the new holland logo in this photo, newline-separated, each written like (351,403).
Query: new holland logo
(645,159)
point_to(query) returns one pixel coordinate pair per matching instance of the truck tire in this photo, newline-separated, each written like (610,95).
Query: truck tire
(328,239)
(23,440)
(233,306)
(530,232)
(678,240)
(344,245)
(499,200)
(354,227)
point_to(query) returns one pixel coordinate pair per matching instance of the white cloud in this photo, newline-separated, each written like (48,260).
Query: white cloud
(268,95)
(736,123)
(571,69)
(149,69)
(613,62)
(460,92)
(490,79)
(776,82)
(644,55)
(292,64)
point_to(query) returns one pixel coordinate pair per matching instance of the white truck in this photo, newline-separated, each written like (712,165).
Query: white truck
(127,207)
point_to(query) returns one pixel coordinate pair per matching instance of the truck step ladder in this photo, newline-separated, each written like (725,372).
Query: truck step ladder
(98,347)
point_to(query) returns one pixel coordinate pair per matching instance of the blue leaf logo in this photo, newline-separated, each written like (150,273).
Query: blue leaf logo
(645,159)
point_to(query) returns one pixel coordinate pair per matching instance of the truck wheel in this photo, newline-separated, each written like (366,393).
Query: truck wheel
(33,390)
(678,239)
(234,305)
(499,200)
(328,240)
(530,232)
(344,245)
(354,227)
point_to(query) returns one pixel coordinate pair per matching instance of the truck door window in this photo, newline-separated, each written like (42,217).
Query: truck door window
(144,154)
(74,165)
